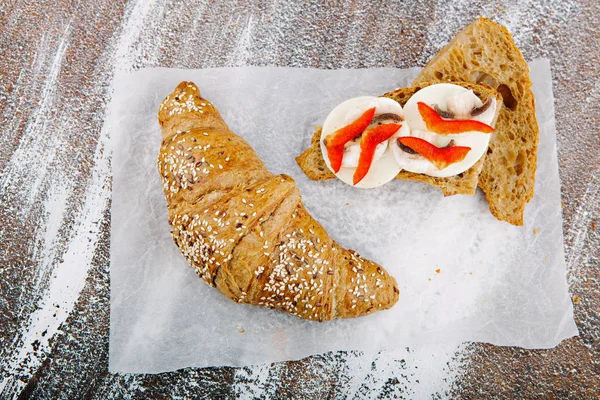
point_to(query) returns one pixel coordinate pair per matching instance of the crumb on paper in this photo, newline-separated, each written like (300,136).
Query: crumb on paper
(535,230)
(347,204)
(575,299)
(437,271)
(470,273)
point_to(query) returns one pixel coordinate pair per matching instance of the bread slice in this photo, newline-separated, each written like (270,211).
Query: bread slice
(484,52)
(312,163)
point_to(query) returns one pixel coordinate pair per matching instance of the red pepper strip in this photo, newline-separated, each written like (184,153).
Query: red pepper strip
(368,142)
(437,124)
(334,142)
(440,157)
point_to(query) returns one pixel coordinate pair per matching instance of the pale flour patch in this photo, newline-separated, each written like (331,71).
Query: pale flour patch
(241,53)
(580,228)
(415,373)
(30,164)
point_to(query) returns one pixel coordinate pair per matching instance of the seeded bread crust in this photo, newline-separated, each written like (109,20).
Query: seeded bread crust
(484,52)
(312,163)
(246,231)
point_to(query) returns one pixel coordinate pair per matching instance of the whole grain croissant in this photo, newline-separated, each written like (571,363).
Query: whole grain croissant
(246,231)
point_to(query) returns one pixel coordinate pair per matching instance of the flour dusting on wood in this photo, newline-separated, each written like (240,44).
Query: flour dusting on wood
(58,63)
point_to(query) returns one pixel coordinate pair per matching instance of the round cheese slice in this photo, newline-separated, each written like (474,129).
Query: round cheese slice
(447,97)
(384,167)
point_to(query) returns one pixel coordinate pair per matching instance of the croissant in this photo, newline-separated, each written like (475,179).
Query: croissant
(246,231)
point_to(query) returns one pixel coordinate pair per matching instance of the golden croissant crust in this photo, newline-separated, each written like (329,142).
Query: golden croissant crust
(246,231)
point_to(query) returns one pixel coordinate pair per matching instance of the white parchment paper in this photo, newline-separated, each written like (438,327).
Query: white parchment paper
(463,275)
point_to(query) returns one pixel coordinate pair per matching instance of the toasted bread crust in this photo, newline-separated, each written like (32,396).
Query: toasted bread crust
(312,163)
(484,52)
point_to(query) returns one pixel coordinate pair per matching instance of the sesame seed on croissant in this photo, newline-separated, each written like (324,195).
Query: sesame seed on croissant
(246,231)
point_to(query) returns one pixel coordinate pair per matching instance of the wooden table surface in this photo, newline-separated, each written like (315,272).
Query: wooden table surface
(57,62)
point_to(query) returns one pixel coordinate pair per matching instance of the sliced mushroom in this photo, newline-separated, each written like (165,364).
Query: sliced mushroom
(473,113)
(405,148)
(411,151)
(443,113)
(480,110)
(379,119)
(450,144)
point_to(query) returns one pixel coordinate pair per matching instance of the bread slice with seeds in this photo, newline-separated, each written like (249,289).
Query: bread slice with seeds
(312,163)
(484,52)
(246,231)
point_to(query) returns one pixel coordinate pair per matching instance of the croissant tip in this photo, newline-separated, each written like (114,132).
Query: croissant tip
(286,178)
(187,87)
(186,84)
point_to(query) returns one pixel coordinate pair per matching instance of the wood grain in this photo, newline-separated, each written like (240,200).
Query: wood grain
(58,60)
